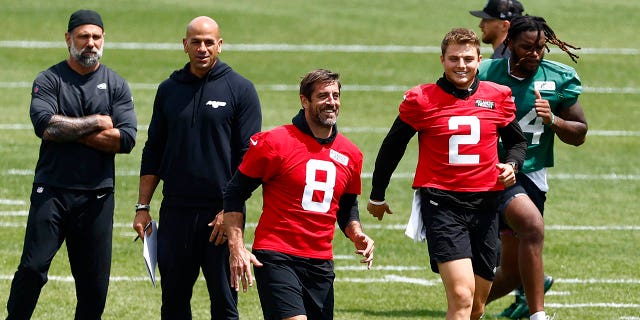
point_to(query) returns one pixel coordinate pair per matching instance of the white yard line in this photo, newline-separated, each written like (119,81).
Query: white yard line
(362,130)
(346,87)
(399,175)
(287,47)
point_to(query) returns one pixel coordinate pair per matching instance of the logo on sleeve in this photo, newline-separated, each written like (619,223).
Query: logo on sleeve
(338,157)
(485,104)
(102,86)
(544,85)
(216,104)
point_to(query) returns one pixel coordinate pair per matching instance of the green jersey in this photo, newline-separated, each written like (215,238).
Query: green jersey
(556,82)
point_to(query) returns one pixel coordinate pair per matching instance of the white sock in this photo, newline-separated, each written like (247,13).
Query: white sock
(540,315)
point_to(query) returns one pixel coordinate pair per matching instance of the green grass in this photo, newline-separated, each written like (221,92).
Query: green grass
(593,226)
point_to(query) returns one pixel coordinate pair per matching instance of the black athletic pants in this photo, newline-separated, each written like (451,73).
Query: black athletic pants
(82,218)
(184,249)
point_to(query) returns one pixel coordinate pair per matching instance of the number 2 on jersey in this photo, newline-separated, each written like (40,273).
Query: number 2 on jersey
(457,139)
(312,184)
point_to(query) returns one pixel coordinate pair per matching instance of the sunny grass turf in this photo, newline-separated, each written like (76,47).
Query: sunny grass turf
(569,254)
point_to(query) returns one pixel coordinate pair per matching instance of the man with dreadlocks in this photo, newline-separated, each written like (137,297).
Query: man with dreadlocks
(546,96)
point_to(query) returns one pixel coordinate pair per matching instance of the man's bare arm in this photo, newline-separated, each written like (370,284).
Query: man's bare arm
(106,140)
(69,129)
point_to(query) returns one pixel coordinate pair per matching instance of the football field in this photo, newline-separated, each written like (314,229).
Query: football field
(381,48)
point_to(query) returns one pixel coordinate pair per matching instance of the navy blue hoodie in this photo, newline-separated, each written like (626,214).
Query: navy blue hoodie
(199,131)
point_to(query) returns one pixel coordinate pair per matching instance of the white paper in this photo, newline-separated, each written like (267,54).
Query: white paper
(150,252)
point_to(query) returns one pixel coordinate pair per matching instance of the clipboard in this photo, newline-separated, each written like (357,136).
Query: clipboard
(150,252)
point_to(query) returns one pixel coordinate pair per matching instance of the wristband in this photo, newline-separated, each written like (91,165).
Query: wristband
(377,203)
(140,206)
(553,119)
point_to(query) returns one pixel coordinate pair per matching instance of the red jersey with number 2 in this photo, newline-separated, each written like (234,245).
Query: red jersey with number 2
(458,138)
(302,182)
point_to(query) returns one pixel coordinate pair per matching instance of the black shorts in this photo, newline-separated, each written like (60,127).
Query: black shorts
(523,186)
(455,232)
(289,286)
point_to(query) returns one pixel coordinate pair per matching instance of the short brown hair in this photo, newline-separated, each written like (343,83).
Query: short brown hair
(308,83)
(460,36)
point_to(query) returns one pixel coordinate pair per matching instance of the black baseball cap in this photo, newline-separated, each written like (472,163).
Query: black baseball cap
(500,9)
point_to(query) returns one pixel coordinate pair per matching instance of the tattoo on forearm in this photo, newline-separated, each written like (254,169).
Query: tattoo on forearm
(66,129)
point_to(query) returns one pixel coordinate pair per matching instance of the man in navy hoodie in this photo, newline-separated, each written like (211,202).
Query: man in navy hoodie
(203,117)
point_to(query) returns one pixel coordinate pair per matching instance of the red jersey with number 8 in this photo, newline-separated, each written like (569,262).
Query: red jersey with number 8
(458,138)
(302,182)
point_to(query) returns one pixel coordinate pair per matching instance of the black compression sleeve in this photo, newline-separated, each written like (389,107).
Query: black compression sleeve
(514,142)
(389,155)
(238,190)
(347,210)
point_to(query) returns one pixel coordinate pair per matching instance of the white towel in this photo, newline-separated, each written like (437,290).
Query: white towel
(415,227)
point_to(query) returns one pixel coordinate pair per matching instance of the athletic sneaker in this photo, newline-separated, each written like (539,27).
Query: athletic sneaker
(548,282)
(506,313)
(521,311)
(522,308)
(519,293)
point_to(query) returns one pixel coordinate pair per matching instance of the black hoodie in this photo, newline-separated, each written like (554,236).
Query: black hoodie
(199,131)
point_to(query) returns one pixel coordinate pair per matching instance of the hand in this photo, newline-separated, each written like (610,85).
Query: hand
(507,175)
(379,210)
(240,261)
(104,121)
(364,246)
(141,219)
(543,109)
(218,236)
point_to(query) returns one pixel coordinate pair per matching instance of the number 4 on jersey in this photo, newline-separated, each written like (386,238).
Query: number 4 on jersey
(533,124)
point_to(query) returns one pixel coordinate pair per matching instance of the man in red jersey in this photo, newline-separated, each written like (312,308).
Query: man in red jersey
(310,177)
(458,177)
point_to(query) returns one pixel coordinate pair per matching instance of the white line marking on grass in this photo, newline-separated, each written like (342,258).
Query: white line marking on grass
(380,268)
(285,47)
(391,278)
(341,256)
(378,227)
(613,133)
(70,278)
(364,130)
(592,228)
(556,176)
(252,225)
(548,227)
(629,318)
(19,172)
(20,213)
(354,88)
(598,281)
(12,202)
(592,305)
(399,175)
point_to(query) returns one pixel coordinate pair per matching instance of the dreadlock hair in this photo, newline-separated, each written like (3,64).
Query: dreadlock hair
(520,24)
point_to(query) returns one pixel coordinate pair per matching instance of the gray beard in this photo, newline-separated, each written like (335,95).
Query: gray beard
(86,61)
